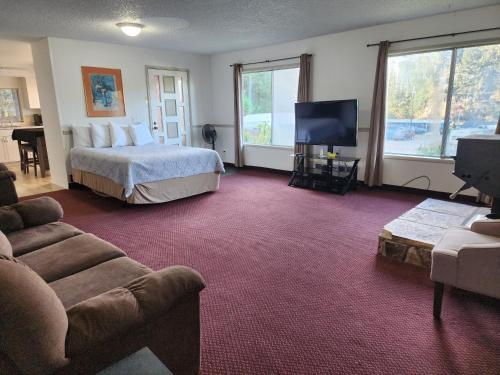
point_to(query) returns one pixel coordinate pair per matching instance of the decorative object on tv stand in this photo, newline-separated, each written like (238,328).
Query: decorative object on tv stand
(103,92)
(209,134)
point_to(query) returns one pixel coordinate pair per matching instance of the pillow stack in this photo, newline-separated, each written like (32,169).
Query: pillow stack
(120,135)
(81,136)
(101,136)
(141,135)
(111,135)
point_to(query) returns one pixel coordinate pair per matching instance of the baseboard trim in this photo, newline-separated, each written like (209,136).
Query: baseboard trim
(467,199)
(262,169)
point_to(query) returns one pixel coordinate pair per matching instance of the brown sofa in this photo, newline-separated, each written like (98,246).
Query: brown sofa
(71,303)
(8,194)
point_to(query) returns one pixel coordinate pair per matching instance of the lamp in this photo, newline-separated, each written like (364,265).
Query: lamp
(130,28)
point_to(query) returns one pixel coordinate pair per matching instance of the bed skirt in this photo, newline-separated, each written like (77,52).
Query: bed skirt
(151,192)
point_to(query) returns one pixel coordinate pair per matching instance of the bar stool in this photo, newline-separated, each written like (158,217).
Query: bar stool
(29,156)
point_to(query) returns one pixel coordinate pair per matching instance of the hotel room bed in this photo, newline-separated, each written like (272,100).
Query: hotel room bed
(147,174)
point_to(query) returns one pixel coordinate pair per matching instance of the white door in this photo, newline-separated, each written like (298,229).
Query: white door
(169,106)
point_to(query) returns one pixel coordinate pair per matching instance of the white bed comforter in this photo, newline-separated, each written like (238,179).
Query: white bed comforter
(131,165)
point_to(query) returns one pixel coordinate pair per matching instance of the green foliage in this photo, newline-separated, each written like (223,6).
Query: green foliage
(476,89)
(418,84)
(260,137)
(429,150)
(257,92)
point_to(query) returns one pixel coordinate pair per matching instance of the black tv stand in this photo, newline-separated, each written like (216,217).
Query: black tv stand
(337,175)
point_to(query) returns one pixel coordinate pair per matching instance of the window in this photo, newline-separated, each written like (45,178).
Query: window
(10,110)
(269,99)
(434,98)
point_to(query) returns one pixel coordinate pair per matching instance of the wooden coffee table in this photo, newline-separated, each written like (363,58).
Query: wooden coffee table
(411,237)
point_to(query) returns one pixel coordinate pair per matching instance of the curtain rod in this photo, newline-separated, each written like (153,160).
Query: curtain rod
(436,36)
(268,61)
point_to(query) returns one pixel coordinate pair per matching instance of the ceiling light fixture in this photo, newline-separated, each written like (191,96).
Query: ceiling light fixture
(130,28)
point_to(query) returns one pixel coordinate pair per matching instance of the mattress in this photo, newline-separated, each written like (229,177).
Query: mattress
(131,166)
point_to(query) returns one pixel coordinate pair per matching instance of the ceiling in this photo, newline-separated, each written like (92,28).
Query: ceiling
(209,26)
(15,59)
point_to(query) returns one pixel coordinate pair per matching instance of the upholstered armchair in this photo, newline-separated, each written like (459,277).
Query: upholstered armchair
(467,259)
(8,193)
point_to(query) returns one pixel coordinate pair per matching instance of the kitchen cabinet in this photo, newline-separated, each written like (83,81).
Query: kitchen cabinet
(9,151)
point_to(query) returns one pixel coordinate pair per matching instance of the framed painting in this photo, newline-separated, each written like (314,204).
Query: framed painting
(103,92)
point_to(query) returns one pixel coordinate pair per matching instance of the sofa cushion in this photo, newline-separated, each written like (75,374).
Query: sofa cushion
(96,280)
(5,246)
(39,211)
(35,238)
(70,256)
(33,321)
(10,220)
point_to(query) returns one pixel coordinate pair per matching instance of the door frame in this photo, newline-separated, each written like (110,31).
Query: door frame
(185,70)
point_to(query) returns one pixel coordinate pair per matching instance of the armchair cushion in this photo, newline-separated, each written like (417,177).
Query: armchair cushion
(34,238)
(33,322)
(141,301)
(39,211)
(5,246)
(70,256)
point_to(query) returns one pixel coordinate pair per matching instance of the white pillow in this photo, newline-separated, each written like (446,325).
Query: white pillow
(101,136)
(81,136)
(120,135)
(141,135)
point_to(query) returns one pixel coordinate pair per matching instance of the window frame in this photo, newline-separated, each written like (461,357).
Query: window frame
(20,117)
(449,95)
(267,68)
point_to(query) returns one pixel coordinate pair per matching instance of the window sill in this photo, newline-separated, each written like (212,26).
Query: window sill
(288,148)
(426,159)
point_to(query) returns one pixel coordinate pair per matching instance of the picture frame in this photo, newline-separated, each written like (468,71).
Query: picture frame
(103,90)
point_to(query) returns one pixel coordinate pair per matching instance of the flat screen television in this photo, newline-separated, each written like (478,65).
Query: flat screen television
(332,123)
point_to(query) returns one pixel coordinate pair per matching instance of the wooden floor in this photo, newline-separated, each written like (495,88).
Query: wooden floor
(28,184)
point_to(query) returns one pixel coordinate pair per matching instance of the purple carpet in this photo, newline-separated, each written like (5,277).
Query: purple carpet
(294,285)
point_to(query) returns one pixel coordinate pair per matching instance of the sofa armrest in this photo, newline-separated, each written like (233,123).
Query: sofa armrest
(489,227)
(478,268)
(479,250)
(39,211)
(7,175)
(145,299)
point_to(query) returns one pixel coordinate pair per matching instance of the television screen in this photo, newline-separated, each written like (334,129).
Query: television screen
(327,123)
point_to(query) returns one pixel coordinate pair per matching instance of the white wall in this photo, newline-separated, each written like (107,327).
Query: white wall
(343,68)
(68,56)
(50,112)
(19,83)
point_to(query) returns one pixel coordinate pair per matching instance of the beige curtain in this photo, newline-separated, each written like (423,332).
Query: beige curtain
(375,154)
(238,141)
(484,198)
(304,90)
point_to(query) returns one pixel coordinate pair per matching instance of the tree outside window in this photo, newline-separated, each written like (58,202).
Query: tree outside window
(419,94)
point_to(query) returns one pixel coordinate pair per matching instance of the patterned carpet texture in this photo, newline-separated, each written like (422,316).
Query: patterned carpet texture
(294,285)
